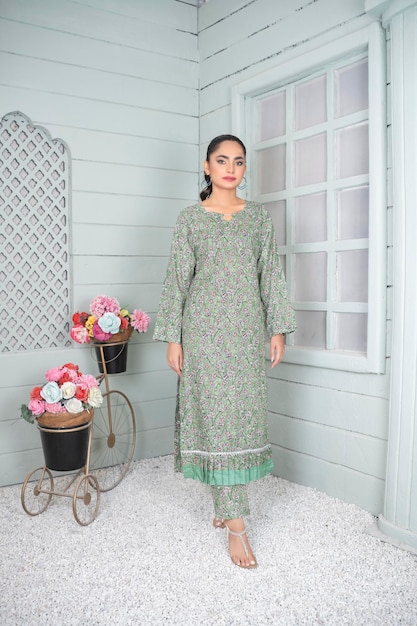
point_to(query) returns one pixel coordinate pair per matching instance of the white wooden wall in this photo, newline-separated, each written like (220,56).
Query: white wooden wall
(329,428)
(118,82)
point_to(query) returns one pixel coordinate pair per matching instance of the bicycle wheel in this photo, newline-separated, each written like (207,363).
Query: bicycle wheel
(86,499)
(114,438)
(37,491)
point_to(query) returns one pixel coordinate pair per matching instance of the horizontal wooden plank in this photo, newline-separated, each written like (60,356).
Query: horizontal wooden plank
(90,84)
(155,414)
(176,14)
(114,241)
(100,146)
(366,384)
(352,412)
(218,94)
(212,12)
(237,27)
(131,210)
(154,443)
(337,481)
(20,436)
(216,123)
(92,23)
(14,467)
(24,370)
(144,269)
(149,294)
(316,18)
(356,451)
(132,180)
(40,43)
(100,116)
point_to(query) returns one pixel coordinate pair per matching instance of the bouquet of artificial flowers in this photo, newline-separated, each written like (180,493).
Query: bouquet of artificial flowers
(67,390)
(106,319)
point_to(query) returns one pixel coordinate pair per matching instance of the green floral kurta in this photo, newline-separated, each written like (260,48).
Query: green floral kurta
(224,284)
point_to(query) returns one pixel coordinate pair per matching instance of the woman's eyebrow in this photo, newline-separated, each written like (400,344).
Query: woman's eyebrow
(224,156)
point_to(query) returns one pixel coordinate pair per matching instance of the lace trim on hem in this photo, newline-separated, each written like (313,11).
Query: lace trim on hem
(203,453)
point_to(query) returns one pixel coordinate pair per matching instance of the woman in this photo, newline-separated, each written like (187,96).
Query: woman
(224,282)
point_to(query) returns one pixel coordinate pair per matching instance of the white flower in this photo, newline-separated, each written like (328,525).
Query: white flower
(51,392)
(74,406)
(95,398)
(68,390)
(109,323)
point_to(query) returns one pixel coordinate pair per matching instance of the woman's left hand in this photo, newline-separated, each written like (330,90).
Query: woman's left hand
(277,349)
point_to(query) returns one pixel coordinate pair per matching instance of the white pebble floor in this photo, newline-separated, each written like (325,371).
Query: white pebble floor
(152,557)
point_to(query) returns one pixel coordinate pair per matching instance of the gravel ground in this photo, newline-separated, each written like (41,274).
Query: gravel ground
(152,557)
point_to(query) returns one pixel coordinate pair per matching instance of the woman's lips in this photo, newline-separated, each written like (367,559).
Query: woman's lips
(229,178)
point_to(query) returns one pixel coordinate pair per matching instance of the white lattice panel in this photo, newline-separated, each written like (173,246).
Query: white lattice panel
(34,247)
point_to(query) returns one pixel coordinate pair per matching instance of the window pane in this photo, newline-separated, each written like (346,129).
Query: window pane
(353,213)
(351,331)
(311,103)
(352,155)
(311,329)
(272,114)
(351,88)
(311,277)
(310,218)
(271,169)
(279,219)
(311,160)
(352,276)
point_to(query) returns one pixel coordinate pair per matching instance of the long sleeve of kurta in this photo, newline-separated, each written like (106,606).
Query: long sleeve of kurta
(279,315)
(178,278)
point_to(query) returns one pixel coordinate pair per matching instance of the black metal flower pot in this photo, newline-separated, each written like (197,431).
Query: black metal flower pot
(115,357)
(65,449)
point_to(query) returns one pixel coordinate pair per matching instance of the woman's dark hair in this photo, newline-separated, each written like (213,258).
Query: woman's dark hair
(214,143)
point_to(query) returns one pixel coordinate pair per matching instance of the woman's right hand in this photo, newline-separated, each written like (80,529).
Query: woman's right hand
(175,357)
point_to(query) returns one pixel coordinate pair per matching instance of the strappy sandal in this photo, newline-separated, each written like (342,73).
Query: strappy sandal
(253,564)
(219,523)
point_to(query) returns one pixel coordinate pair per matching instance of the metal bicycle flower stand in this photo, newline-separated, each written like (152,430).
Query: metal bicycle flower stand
(111,444)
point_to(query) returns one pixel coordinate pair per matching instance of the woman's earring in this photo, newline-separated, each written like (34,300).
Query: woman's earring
(242,184)
(206,183)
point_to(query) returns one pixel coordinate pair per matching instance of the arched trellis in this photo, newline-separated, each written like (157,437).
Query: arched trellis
(34,236)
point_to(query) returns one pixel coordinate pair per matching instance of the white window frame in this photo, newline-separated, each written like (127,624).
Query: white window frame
(372,41)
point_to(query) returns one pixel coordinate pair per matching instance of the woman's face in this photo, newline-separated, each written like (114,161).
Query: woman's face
(226,165)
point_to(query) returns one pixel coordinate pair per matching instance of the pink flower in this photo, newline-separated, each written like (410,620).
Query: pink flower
(79,334)
(140,321)
(89,380)
(37,407)
(55,407)
(104,304)
(70,374)
(54,374)
(99,334)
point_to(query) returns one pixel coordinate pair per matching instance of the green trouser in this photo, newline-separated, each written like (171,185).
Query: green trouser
(230,501)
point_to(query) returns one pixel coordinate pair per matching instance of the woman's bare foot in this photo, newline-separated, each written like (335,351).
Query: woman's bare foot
(239,547)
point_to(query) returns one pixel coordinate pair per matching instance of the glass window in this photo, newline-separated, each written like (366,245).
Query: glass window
(271,116)
(310,215)
(312,162)
(271,169)
(311,103)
